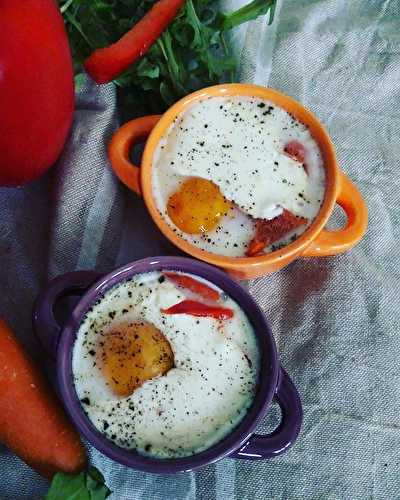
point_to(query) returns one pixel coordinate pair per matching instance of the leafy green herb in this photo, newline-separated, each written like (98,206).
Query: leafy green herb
(192,53)
(248,13)
(88,485)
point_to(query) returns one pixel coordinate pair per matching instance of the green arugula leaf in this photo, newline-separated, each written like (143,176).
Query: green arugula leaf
(146,68)
(249,12)
(176,70)
(65,486)
(88,485)
(96,485)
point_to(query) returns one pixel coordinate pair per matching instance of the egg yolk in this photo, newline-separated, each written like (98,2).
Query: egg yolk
(197,206)
(132,353)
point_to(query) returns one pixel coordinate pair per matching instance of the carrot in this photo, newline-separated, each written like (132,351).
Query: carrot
(103,65)
(193,285)
(194,308)
(270,231)
(32,422)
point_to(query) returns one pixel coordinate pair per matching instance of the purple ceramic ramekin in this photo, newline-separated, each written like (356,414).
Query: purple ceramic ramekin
(58,340)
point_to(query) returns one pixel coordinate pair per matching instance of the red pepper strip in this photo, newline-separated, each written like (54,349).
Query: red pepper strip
(193,285)
(104,65)
(269,231)
(194,308)
(297,151)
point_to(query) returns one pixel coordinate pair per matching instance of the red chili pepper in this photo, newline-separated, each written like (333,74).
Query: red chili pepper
(105,64)
(194,308)
(193,285)
(269,231)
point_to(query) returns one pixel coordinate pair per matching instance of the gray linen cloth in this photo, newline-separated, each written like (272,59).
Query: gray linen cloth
(336,320)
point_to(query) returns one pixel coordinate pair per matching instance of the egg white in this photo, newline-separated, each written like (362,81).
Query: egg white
(196,403)
(238,144)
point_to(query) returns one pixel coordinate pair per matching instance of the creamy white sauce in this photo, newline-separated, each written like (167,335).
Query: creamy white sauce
(238,143)
(194,405)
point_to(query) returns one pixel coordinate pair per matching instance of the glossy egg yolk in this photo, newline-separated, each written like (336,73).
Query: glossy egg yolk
(197,206)
(132,353)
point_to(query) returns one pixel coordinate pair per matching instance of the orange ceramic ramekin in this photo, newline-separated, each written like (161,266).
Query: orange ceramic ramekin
(314,242)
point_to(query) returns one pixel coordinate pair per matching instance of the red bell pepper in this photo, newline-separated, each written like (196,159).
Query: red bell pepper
(269,231)
(36,89)
(193,285)
(194,308)
(106,64)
